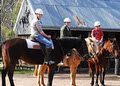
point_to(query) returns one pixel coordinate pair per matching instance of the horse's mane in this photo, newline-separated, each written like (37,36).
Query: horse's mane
(89,39)
(103,50)
(69,42)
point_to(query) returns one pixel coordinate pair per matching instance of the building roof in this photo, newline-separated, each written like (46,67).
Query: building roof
(83,13)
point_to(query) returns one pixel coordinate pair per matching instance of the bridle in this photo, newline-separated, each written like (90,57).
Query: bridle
(112,47)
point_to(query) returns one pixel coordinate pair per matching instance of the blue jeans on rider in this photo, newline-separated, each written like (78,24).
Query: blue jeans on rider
(44,40)
(48,44)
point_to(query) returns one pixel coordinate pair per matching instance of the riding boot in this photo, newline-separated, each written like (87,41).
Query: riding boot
(47,57)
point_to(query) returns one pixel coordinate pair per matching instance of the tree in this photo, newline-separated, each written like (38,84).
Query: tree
(0,24)
(9,11)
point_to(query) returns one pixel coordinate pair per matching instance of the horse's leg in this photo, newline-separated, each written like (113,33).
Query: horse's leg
(91,72)
(36,70)
(36,73)
(97,74)
(5,65)
(41,71)
(100,71)
(92,81)
(51,70)
(10,73)
(103,77)
(73,75)
(4,72)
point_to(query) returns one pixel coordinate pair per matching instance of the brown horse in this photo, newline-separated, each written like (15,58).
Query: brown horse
(71,61)
(15,49)
(100,61)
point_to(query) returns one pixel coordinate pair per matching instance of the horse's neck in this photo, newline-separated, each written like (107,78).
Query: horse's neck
(103,53)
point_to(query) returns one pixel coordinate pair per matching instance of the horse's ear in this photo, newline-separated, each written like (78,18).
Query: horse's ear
(86,39)
(112,39)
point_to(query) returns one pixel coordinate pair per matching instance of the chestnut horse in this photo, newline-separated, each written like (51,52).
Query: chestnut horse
(71,61)
(100,61)
(15,49)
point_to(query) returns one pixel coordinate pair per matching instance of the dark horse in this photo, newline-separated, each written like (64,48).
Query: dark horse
(15,49)
(109,49)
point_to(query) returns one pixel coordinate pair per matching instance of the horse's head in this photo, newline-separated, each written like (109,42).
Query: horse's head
(112,47)
(75,52)
(90,45)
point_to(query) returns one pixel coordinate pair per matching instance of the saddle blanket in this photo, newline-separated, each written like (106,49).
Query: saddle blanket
(32,45)
(35,45)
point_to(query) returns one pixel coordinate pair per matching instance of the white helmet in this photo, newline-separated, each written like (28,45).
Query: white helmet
(97,23)
(67,20)
(39,11)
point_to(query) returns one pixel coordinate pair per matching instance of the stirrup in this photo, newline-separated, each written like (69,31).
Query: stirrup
(61,63)
(51,62)
(46,63)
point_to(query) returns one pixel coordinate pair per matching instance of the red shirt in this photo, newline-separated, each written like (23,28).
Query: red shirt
(97,33)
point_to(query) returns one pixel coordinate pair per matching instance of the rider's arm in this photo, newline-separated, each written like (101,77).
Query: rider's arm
(39,29)
(45,35)
(101,39)
(62,31)
(94,39)
(101,36)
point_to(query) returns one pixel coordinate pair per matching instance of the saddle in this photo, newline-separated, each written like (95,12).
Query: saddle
(41,45)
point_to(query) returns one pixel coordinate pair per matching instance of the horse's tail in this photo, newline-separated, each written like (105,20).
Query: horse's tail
(1,44)
(0,50)
(36,70)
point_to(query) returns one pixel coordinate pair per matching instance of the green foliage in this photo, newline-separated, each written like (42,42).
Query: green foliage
(16,8)
(10,34)
(7,33)
(9,19)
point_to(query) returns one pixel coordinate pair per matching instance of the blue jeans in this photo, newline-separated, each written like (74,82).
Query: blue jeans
(43,40)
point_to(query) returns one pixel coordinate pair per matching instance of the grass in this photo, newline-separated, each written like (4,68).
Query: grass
(19,71)
(23,71)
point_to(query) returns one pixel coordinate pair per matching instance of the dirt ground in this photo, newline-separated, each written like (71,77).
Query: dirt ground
(62,79)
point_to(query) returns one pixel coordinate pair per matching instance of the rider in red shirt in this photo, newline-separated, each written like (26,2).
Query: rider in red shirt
(97,35)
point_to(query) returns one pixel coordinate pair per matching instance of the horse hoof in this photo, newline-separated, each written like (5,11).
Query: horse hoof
(73,85)
(103,85)
(91,85)
(96,84)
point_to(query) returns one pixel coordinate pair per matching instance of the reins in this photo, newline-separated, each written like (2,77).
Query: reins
(110,53)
